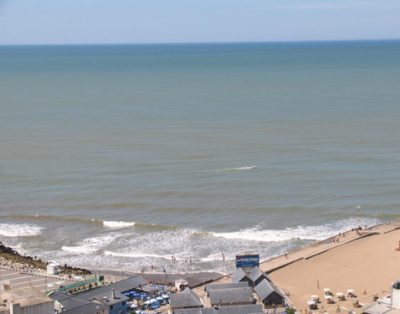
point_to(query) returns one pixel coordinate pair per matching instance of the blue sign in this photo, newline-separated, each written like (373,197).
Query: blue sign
(247,260)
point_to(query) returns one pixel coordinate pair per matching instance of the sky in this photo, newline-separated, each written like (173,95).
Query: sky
(185,21)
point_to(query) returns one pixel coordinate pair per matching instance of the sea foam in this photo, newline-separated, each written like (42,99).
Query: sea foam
(91,245)
(19,230)
(118,224)
(315,233)
(135,255)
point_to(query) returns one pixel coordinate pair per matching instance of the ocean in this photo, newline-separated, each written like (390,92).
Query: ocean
(122,156)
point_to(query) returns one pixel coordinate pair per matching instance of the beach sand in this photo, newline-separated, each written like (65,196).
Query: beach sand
(368,264)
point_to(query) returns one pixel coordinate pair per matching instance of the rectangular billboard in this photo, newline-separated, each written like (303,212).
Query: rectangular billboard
(252,260)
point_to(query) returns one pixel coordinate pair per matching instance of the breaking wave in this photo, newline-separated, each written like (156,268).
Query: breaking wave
(118,224)
(135,255)
(20,230)
(91,245)
(315,233)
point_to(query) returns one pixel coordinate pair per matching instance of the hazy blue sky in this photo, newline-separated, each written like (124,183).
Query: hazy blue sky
(145,21)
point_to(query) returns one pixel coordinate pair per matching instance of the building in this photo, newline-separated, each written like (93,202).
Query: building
(105,300)
(132,283)
(241,276)
(196,311)
(396,295)
(256,276)
(25,301)
(232,285)
(390,305)
(187,299)
(114,302)
(231,296)
(269,294)
(68,304)
(239,309)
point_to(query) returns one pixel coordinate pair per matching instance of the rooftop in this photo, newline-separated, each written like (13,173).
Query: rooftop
(185,299)
(231,296)
(230,285)
(135,282)
(265,288)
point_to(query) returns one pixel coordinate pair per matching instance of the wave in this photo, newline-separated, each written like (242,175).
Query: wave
(312,233)
(88,221)
(91,245)
(239,168)
(135,255)
(20,230)
(118,224)
(215,257)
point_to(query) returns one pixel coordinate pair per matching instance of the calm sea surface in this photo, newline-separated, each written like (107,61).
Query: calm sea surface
(122,156)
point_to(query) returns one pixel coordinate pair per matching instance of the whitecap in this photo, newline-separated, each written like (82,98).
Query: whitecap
(244,168)
(91,245)
(19,230)
(135,255)
(320,232)
(118,224)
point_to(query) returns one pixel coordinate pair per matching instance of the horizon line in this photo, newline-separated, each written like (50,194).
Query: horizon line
(199,42)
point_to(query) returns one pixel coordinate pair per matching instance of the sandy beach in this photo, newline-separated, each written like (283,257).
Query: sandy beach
(368,263)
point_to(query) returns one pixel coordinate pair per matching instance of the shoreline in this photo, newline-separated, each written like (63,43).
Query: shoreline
(299,272)
(269,265)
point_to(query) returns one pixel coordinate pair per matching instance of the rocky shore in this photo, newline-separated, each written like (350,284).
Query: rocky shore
(11,258)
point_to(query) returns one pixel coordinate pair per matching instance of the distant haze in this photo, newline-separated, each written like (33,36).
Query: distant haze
(161,21)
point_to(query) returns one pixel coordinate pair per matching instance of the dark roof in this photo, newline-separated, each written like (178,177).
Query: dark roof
(235,309)
(195,311)
(231,296)
(265,288)
(75,305)
(121,286)
(106,298)
(256,273)
(91,308)
(239,275)
(226,285)
(241,309)
(186,299)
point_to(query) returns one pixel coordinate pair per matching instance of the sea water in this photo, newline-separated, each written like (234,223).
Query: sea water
(120,157)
